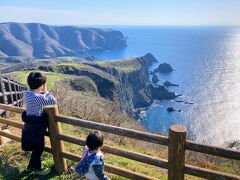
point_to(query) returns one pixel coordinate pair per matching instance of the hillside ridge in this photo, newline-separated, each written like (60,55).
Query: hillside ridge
(35,40)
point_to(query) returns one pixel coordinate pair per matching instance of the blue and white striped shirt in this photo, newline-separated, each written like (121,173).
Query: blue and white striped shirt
(35,102)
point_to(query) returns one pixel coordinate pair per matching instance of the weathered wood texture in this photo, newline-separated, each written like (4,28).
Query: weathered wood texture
(12,108)
(119,152)
(9,89)
(10,136)
(2,91)
(176,152)
(209,174)
(15,95)
(11,123)
(11,92)
(140,135)
(57,145)
(212,150)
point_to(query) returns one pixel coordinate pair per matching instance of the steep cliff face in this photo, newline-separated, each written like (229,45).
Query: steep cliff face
(124,81)
(34,40)
(135,89)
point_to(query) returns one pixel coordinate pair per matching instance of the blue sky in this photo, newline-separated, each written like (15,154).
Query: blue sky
(124,12)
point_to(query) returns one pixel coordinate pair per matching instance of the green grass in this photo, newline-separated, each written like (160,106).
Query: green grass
(13,160)
(21,76)
(124,65)
(70,64)
(64,58)
(90,69)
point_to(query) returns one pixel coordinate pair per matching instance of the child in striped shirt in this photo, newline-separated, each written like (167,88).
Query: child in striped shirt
(36,120)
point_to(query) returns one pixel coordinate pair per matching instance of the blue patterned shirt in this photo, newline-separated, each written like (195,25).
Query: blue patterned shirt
(36,101)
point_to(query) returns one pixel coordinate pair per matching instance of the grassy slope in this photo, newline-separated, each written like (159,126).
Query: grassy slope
(21,76)
(90,69)
(13,160)
(124,65)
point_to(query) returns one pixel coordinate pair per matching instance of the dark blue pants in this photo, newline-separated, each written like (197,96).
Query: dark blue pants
(33,138)
(35,160)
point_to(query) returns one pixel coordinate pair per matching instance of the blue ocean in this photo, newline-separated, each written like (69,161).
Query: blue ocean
(206,60)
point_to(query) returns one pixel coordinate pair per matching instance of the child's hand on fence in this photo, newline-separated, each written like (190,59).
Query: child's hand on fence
(44,88)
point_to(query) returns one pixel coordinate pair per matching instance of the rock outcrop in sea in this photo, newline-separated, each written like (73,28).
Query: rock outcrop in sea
(155,78)
(167,84)
(171,109)
(164,68)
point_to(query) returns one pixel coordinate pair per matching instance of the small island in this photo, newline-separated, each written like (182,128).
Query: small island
(163,68)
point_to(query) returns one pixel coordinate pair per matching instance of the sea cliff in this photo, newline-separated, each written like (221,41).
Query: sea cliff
(123,81)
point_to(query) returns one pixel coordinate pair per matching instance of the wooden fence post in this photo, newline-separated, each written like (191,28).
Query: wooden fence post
(56,145)
(15,92)
(176,152)
(3,98)
(2,90)
(20,94)
(10,90)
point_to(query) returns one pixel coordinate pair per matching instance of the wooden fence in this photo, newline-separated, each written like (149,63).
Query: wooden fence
(176,142)
(11,92)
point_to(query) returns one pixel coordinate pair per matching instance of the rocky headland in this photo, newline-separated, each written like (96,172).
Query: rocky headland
(34,40)
(123,81)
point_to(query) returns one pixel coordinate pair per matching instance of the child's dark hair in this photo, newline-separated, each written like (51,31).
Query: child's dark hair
(36,79)
(94,140)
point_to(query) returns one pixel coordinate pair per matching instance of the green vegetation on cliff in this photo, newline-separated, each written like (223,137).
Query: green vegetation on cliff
(52,77)
(77,68)
(124,65)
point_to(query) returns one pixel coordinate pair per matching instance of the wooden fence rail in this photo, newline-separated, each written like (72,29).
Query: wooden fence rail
(176,142)
(11,92)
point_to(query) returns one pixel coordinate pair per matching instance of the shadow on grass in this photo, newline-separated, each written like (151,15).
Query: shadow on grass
(11,172)
(30,175)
